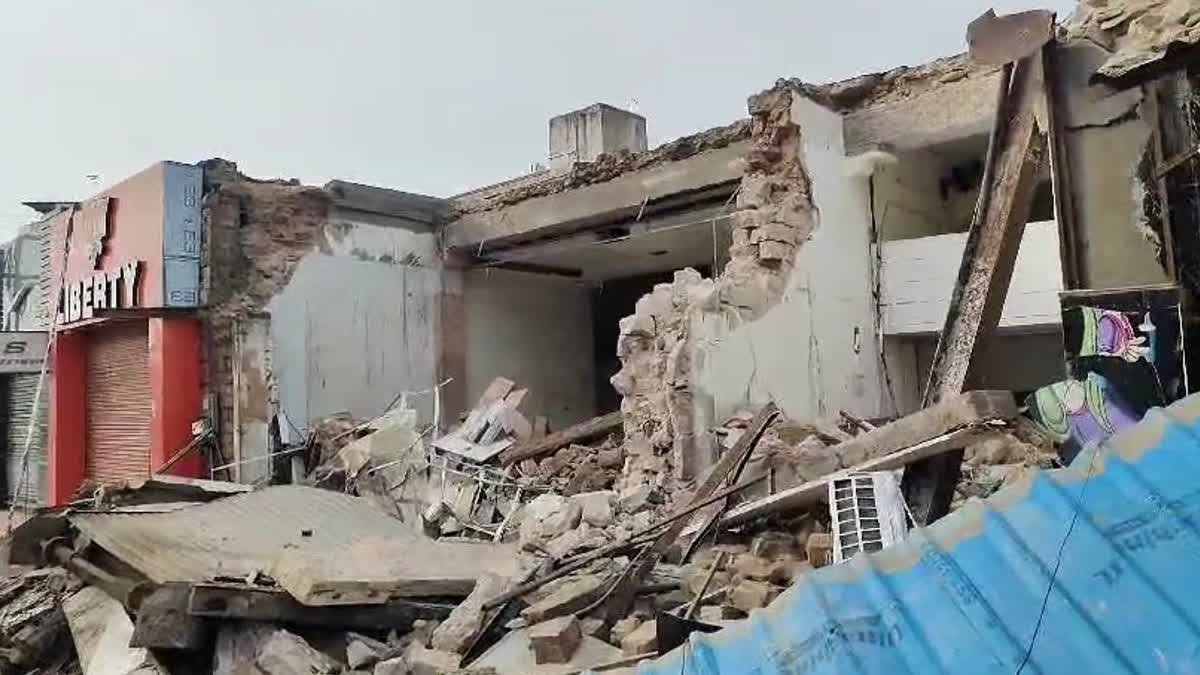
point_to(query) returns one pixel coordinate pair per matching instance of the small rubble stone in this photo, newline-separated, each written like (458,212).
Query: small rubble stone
(363,651)
(635,499)
(785,570)
(819,549)
(286,653)
(748,595)
(771,545)
(556,640)
(458,630)
(393,666)
(718,613)
(583,536)
(694,575)
(623,628)
(596,507)
(642,640)
(564,520)
(570,598)
(423,661)
(359,654)
(610,458)
(592,626)
(751,566)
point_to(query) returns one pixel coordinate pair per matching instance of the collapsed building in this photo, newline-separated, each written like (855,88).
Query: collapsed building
(850,254)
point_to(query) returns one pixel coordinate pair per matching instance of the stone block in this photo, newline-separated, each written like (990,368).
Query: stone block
(750,566)
(749,595)
(556,640)
(780,232)
(635,498)
(423,661)
(286,653)
(394,666)
(596,507)
(456,633)
(623,628)
(819,549)
(571,597)
(772,545)
(774,251)
(642,640)
(564,520)
(715,614)
(784,571)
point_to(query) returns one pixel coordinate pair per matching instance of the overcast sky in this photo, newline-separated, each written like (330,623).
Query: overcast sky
(433,97)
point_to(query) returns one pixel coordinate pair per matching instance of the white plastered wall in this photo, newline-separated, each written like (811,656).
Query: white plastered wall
(815,352)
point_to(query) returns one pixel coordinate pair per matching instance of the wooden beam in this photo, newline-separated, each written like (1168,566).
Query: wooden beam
(620,597)
(1060,174)
(537,447)
(814,491)
(984,275)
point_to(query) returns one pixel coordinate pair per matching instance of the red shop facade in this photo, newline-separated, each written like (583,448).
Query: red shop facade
(121,272)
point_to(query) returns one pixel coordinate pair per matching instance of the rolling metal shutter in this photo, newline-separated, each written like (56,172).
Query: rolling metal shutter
(19,403)
(118,403)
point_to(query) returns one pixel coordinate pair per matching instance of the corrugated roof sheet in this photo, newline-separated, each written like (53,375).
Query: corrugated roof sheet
(1118,538)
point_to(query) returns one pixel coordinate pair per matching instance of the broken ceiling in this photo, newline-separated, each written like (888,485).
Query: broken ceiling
(1139,33)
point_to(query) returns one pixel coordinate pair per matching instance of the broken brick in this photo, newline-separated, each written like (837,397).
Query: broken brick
(556,640)
(749,595)
(819,549)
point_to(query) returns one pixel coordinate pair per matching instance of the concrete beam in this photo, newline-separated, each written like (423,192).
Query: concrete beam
(620,198)
(950,112)
(384,201)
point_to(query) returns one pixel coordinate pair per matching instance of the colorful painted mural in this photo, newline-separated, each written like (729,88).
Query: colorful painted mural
(1124,355)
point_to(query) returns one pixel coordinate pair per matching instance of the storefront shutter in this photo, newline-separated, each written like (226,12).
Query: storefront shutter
(118,402)
(21,392)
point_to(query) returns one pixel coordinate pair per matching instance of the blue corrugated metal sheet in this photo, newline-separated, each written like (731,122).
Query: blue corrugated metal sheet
(965,595)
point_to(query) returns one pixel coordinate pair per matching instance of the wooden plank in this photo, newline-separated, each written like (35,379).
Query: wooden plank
(1060,174)
(816,490)
(583,431)
(985,273)
(497,390)
(620,597)
(954,412)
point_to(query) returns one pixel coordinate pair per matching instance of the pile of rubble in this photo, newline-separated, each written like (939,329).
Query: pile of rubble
(499,547)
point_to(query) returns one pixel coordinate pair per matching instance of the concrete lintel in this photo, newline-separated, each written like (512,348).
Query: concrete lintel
(953,111)
(621,197)
(388,202)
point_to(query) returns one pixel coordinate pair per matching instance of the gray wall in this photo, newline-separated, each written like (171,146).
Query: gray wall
(536,330)
(1106,139)
(356,325)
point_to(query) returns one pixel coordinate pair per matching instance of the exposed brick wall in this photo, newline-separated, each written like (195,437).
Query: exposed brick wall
(775,217)
(254,235)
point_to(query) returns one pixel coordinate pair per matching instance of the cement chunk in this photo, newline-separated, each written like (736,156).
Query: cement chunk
(458,630)
(556,640)
(643,639)
(750,595)
(568,599)
(423,661)
(286,653)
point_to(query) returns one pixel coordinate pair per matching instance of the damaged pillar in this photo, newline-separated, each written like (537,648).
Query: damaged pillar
(774,217)
(1005,199)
